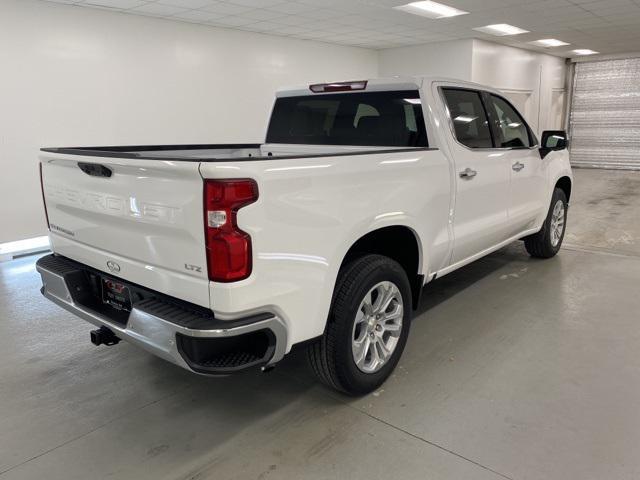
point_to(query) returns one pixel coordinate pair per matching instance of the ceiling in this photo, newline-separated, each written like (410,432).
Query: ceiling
(607,26)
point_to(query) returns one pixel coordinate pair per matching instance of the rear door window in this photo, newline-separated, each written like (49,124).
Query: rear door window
(392,119)
(469,118)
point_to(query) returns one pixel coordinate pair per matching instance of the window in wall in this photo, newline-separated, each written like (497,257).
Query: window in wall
(369,118)
(469,117)
(512,130)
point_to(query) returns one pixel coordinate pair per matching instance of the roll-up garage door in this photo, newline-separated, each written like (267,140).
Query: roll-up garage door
(605,114)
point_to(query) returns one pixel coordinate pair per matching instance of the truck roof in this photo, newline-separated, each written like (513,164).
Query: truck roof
(383,84)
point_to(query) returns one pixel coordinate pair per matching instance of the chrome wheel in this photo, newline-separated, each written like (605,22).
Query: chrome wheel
(557,223)
(377,327)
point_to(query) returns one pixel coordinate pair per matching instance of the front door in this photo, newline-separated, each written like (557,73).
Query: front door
(481,177)
(527,191)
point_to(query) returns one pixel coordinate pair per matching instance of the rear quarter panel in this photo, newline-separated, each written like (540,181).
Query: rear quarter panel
(309,213)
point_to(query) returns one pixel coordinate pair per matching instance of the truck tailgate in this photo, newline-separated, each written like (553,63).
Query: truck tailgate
(139,220)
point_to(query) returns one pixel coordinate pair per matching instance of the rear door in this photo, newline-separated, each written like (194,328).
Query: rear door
(481,175)
(139,220)
(514,137)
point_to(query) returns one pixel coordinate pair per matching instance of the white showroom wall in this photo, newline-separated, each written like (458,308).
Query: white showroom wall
(534,82)
(72,76)
(443,59)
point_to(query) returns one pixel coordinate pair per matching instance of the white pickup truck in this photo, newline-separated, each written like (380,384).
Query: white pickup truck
(223,257)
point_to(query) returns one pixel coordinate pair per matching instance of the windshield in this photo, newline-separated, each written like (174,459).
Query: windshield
(392,119)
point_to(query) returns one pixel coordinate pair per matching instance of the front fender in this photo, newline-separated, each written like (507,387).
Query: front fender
(557,166)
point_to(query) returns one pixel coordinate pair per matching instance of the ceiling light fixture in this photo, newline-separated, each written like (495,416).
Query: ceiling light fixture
(549,43)
(584,51)
(501,29)
(431,9)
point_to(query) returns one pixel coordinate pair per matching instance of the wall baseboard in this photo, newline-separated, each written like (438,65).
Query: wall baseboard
(19,248)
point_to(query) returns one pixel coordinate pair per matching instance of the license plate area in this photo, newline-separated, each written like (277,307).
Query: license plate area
(116,294)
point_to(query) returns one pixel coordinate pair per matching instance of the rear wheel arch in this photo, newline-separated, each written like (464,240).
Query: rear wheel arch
(398,242)
(337,356)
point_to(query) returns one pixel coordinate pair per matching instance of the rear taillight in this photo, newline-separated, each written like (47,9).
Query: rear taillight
(44,202)
(228,247)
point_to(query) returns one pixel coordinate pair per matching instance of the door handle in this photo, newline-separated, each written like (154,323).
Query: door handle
(95,169)
(517,166)
(468,173)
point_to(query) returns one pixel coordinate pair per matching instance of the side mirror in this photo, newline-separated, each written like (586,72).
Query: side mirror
(552,140)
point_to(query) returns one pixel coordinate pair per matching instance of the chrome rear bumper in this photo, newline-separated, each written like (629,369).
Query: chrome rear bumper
(169,331)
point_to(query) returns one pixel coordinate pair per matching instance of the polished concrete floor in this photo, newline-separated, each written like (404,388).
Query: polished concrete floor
(515,368)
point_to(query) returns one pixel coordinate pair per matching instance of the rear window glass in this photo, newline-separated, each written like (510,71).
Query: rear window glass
(391,119)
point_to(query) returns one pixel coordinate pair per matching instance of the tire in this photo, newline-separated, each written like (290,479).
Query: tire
(333,356)
(547,242)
